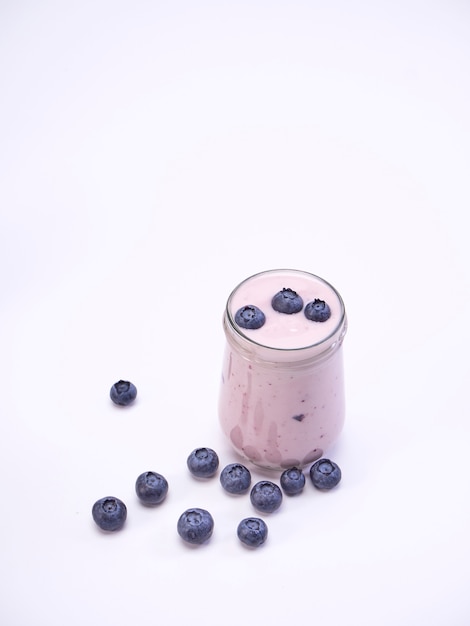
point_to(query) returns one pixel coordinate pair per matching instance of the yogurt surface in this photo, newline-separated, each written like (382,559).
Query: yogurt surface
(281,330)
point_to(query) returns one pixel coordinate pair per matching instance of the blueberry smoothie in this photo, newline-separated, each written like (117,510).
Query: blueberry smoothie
(281,400)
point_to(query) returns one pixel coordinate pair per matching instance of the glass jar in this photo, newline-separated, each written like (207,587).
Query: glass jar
(281,401)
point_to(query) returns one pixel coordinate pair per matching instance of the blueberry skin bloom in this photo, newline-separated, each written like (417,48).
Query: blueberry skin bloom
(292,481)
(123,392)
(287,301)
(266,496)
(235,478)
(317,311)
(252,531)
(250,316)
(195,525)
(109,513)
(203,462)
(325,474)
(151,488)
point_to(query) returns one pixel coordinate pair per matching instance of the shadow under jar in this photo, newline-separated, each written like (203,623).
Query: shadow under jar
(281,401)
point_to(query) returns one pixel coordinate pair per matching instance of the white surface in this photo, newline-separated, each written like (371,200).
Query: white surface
(154,154)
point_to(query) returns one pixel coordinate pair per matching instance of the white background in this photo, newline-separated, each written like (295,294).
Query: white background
(153,154)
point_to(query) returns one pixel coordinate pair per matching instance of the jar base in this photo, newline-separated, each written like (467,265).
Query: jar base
(282,465)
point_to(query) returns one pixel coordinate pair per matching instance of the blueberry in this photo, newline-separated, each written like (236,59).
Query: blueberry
(292,480)
(252,531)
(250,316)
(235,478)
(266,496)
(325,474)
(287,301)
(123,392)
(317,311)
(109,513)
(203,462)
(151,488)
(195,525)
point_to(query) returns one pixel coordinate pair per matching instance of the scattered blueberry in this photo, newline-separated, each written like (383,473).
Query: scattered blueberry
(325,474)
(266,496)
(123,392)
(292,480)
(203,462)
(317,311)
(250,316)
(151,488)
(195,525)
(235,478)
(109,513)
(287,301)
(252,531)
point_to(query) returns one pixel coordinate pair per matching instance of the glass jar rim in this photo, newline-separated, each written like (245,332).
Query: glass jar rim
(336,334)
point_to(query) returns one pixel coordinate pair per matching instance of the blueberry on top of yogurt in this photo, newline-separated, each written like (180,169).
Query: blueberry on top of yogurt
(250,316)
(287,301)
(317,311)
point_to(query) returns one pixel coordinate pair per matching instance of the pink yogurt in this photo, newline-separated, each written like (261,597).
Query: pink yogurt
(281,400)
